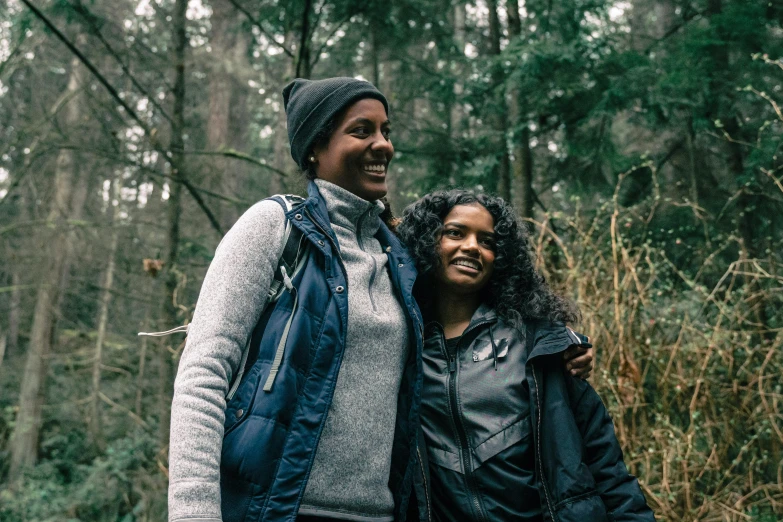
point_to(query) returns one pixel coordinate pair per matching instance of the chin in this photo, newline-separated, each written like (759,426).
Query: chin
(373,192)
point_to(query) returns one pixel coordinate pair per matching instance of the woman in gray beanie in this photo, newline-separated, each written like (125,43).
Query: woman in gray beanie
(324,423)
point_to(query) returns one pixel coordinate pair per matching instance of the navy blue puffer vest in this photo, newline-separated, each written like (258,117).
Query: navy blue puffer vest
(271,436)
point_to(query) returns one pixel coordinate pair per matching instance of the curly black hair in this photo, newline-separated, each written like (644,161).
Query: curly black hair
(517,291)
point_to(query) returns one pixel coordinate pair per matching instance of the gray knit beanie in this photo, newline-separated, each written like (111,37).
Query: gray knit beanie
(310,104)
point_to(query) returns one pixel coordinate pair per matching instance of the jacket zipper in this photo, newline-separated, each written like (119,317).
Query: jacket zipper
(461,432)
(424,479)
(539,465)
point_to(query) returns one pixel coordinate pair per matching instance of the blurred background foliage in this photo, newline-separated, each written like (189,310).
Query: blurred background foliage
(641,140)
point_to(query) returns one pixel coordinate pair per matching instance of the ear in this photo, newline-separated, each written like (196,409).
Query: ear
(317,150)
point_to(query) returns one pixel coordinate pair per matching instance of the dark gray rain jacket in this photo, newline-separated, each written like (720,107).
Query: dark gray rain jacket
(505,399)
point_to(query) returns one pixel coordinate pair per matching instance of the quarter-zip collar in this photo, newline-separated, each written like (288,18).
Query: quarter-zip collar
(347,210)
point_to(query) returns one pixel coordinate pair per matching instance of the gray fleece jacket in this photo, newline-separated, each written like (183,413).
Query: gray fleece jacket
(349,477)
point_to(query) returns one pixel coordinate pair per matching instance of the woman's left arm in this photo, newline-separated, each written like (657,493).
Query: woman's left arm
(619,489)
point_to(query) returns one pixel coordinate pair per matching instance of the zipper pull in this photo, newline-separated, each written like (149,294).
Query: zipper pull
(452,365)
(286,280)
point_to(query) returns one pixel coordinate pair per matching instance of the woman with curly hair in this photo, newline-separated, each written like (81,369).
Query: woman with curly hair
(510,435)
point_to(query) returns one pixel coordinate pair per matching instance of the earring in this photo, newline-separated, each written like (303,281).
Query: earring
(312,159)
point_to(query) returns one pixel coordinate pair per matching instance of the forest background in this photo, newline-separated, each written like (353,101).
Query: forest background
(641,139)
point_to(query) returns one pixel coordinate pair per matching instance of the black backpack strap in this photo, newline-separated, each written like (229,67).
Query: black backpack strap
(290,261)
(291,250)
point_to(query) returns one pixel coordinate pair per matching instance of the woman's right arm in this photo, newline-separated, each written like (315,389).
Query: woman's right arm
(230,302)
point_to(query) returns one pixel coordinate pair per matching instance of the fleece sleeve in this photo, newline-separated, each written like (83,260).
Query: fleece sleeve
(230,302)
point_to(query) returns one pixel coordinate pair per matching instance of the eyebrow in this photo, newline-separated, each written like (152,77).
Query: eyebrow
(462,226)
(367,121)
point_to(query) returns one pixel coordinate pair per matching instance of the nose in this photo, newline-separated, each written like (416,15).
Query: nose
(383,145)
(469,244)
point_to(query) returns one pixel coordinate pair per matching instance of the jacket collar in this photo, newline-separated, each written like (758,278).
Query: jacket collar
(316,204)
(483,314)
(548,338)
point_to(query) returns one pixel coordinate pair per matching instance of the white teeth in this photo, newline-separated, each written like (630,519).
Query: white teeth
(468,263)
(375,168)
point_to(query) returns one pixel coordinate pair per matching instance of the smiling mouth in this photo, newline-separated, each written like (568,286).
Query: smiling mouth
(468,263)
(375,168)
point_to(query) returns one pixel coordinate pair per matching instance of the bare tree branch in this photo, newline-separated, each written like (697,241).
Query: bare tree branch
(231,153)
(329,37)
(260,26)
(673,30)
(90,18)
(114,156)
(147,131)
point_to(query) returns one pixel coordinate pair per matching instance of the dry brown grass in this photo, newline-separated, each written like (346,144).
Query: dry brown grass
(687,361)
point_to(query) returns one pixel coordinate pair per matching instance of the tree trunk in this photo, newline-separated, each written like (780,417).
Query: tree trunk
(282,150)
(173,213)
(522,164)
(24,440)
(498,117)
(303,60)
(143,352)
(455,122)
(2,348)
(96,425)
(14,314)
(224,41)
(375,58)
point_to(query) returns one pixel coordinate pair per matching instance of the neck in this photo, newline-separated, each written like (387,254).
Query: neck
(454,311)
(348,210)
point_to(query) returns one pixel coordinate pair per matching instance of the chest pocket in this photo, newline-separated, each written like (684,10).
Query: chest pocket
(486,350)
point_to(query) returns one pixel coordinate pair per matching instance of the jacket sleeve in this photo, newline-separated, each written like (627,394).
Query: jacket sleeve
(232,298)
(619,489)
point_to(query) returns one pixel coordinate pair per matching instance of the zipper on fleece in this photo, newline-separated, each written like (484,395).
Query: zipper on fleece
(359,241)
